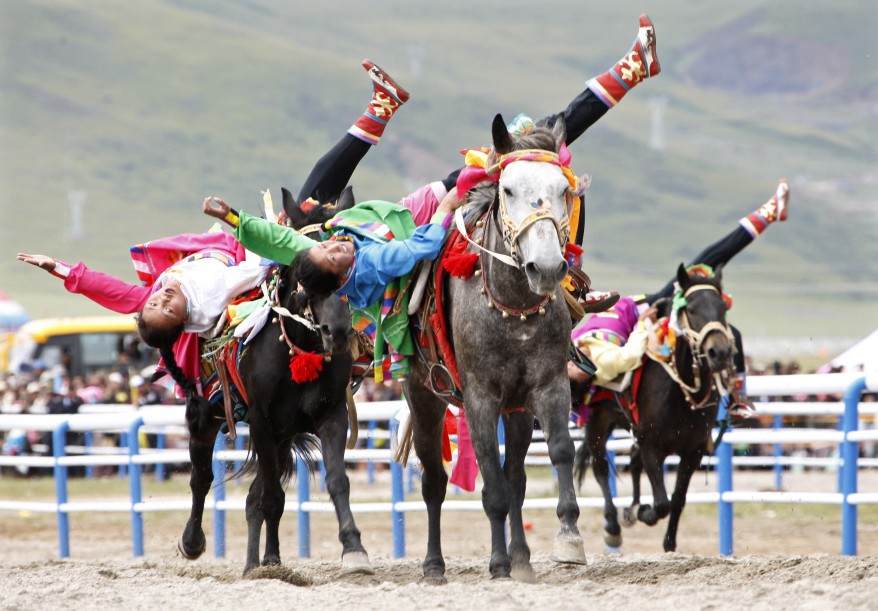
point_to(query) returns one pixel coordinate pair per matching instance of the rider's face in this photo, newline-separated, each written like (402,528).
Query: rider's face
(166,308)
(336,256)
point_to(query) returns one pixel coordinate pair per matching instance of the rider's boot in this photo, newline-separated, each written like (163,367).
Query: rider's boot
(387,97)
(741,407)
(639,63)
(598,301)
(775,209)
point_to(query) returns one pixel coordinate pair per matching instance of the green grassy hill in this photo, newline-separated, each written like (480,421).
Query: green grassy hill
(145,108)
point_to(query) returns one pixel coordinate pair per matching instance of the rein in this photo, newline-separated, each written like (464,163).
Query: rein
(695,341)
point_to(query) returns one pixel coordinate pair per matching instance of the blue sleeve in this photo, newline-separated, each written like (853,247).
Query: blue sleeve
(385,262)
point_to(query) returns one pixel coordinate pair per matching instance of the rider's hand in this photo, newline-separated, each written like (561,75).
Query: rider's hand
(451,202)
(576,374)
(41,261)
(217,208)
(650,314)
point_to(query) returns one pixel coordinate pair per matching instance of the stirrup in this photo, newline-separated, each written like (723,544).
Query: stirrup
(441,383)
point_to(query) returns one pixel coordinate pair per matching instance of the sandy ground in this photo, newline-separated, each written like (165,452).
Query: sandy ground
(786,557)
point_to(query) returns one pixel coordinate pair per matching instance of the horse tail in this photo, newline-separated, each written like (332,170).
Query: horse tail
(306,447)
(581,461)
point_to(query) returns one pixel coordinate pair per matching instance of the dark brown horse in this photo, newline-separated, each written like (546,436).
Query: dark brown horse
(285,415)
(677,405)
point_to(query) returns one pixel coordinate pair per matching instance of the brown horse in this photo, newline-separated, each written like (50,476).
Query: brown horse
(285,415)
(677,405)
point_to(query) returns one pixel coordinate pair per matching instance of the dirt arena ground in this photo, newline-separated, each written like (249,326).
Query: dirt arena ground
(786,557)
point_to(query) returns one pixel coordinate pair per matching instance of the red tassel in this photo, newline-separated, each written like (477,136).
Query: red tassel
(460,263)
(306,367)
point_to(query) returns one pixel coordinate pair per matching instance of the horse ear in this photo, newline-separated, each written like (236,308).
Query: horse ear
(682,277)
(718,274)
(503,142)
(291,207)
(559,131)
(346,199)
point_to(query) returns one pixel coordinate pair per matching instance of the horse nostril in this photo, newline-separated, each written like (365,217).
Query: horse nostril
(562,271)
(530,268)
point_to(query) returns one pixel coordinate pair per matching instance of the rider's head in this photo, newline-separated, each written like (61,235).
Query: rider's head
(324,268)
(164,314)
(156,332)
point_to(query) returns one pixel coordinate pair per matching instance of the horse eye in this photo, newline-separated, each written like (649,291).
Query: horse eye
(507,191)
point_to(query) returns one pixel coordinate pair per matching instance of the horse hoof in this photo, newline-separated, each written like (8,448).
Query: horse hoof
(614,551)
(568,549)
(356,563)
(523,573)
(191,555)
(614,541)
(433,579)
(629,515)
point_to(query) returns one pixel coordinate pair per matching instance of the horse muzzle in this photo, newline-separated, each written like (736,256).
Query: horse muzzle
(544,278)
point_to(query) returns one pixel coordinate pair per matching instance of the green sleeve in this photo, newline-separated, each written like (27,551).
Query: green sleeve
(270,240)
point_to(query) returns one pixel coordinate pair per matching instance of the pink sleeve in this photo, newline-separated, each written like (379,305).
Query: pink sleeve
(106,290)
(423,202)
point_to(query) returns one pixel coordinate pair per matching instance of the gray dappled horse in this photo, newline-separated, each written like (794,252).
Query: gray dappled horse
(285,415)
(677,405)
(510,336)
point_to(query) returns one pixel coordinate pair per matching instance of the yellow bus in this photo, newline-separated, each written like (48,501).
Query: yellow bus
(81,344)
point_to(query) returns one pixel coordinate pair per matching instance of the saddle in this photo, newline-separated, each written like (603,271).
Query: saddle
(428,316)
(220,356)
(622,391)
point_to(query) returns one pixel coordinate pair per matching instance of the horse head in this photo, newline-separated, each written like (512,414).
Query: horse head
(701,316)
(310,215)
(534,201)
(327,314)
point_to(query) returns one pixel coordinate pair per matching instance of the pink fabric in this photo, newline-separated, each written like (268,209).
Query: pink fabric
(106,290)
(424,202)
(470,176)
(465,470)
(151,259)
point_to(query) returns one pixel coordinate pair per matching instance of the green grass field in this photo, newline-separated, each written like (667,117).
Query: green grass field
(148,107)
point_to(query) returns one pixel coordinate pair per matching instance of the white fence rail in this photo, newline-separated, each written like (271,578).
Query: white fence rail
(164,419)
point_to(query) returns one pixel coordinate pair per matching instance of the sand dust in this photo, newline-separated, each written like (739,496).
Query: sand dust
(786,558)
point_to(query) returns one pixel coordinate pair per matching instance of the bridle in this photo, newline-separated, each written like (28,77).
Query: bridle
(695,341)
(509,228)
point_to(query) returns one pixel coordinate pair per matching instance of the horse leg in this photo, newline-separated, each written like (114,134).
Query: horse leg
(596,434)
(253,512)
(272,497)
(687,467)
(519,433)
(427,423)
(482,419)
(332,431)
(193,542)
(629,515)
(568,546)
(653,463)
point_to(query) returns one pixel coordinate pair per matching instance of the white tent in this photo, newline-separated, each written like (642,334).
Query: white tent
(12,314)
(862,356)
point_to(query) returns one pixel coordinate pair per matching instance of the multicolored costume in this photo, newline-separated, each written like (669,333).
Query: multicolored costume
(207,267)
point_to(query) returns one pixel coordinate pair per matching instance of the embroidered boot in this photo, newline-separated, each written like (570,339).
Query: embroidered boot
(773,210)
(387,97)
(598,301)
(741,406)
(641,62)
